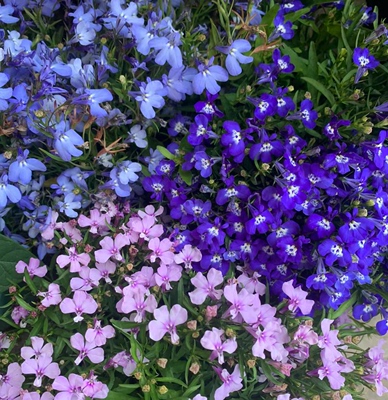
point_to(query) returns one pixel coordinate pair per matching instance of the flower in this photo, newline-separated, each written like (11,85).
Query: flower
(138,136)
(212,340)
(297,298)
(66,140)
(166,322)
(231,382)
(364,60)
(87,349)
(40,367)
(208,76)
(234,57)
(81,303)
(150,97)
(69,387)
(205,286)
(33,268)
(5,93)
(21,169)
(8,191)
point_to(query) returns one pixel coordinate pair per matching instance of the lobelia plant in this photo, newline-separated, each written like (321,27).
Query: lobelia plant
(203,188)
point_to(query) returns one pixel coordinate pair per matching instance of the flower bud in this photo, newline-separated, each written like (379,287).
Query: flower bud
(307,95)
(195,335)
(251,363)
(162,362)
(12,289)
(163,390)
(194,368)
(230,333)
(192,325)
(138,375)
(146,388)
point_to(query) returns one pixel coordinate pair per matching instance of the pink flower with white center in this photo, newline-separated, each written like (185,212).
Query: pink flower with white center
(161,250)
(146,227)
(81,303)
(71,389)
(205,286)
(166,274)
(213,340)
(138,302)
(111,248)
(97,221)
(166,322)
(150,211)
(252,283)
(297,298)
(12,379)
(107,268)
(99,334)
(86,349)
(33,268)
(74,259)
(241,308)
(53,295)
(37,350)
(40,367)
(48,232)
(187,256)
(231,382)
(93,388)
(89,279)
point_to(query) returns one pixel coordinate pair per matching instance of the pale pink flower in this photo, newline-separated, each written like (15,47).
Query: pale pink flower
(161,250)
(24,395)
(88,279)
(71,231)
(74,259)
(166,322)
(37,350)
(252,283)
(52,296)
(99,334)
(331,371)
(48,232)
(214,340)
(12,379)
(146,227)
(205,286)
(304,333)
(297,298)
(71,389)
(40,367)
(81,303)
(241,308)
(329,340)
(145,277)
(4,341)
(33,268)
(18,314)
(106,269)
(97,221)
(150,211)
(188,255)
(93,388)
(86,349)
(138,302)
(231,382)
(166,274)
(111,248)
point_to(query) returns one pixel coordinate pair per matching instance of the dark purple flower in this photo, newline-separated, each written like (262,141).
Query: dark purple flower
(307,115)
(203,163)
(331,129)
(364,60)
(335,251)
(157,185)
(282,29)
(365,311)
(199,130)
(283,64)
(266,106)
(284,103)
(268,148)
(233,139)
(208,107)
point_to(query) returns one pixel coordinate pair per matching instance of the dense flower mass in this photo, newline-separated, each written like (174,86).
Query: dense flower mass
(193,199)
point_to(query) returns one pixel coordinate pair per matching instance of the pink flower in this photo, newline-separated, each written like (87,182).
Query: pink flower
(98,334)
(187,256)
(161,250)
(231,382)
(94,389)
(86,349)
(139,302)
(166,274)
(211,340)
(166,322)
(252,283)
(52,296)
(210,312)
(379,372)
(88,279)
(4,341)
(305,334)
(40,367)
(71,231)
(106,269)
(150,211)
(331,371)
(37,350)
(97,221)
(297,298)
(82,303)
(146,227)
(74,259)
(71,389)
(329,340)
(48,232)
(241,309)
(12,379)
(18,314)
(205,287)
(111,248)
(24,395)
(33,268)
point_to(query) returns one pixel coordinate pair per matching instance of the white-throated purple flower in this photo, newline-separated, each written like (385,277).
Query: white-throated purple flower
(84,34)
(93,98)
(283,64)
(233,140)
(66,140)
(331,129)
(268,148)
(68,205)
(307,115)
(169,50)
(5,93)
(335,251)
(364,61)
(235,57)
(282,29)
(199,130)
(203,163)
(284,103)
(176,86)
(291,6)
(157,185)
(150,97)
(260,221)
(208,107)
(208,76)
(21,169)
(266,106)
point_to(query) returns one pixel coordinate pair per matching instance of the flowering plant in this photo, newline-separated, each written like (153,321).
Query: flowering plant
(193,199)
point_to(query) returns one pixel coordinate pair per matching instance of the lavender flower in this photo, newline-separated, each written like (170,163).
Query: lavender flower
(208,76)
(235,57)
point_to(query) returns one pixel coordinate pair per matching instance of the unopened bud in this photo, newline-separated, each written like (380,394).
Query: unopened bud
(195,335)
(138,375)
(230,333)
(194,368)
(146,388)
(192,325)
(251,363)
(163,390)
(307,95)
(291,88)
(363,212)
(12,289)
(370,203)
(162,362)
(265,166)
(356,339)
(129,266)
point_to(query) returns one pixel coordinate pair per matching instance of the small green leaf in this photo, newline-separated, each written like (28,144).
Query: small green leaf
(165,152)
(321,88)
(187,176)
(344,306)
(11,253)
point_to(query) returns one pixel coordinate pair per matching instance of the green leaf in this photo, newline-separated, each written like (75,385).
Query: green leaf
(321,88)
(11,253)
(170,379)
(299,63)
(187,176)
(344,306)
(165,153)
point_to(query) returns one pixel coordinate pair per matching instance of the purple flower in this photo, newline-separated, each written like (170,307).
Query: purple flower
(335,251)
(6,15)
(282,29)
(86,349)
(208,76)
(150,97)
(234,57)
(364,60)
(231,382)
(283,64)
(65,141)
(82,303)
(331,129)
(40,367)
(268,148)
(212,340)
(297,298)
(199,130)
(166,322)
(69,388)
(365,311)
(233,139)
(84,34)
(208,107)
(205,286)
(168,49)
(93,98)
(266,106)
(306,114)
(21,169)
(203,163)
(8,191)
(5,94)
